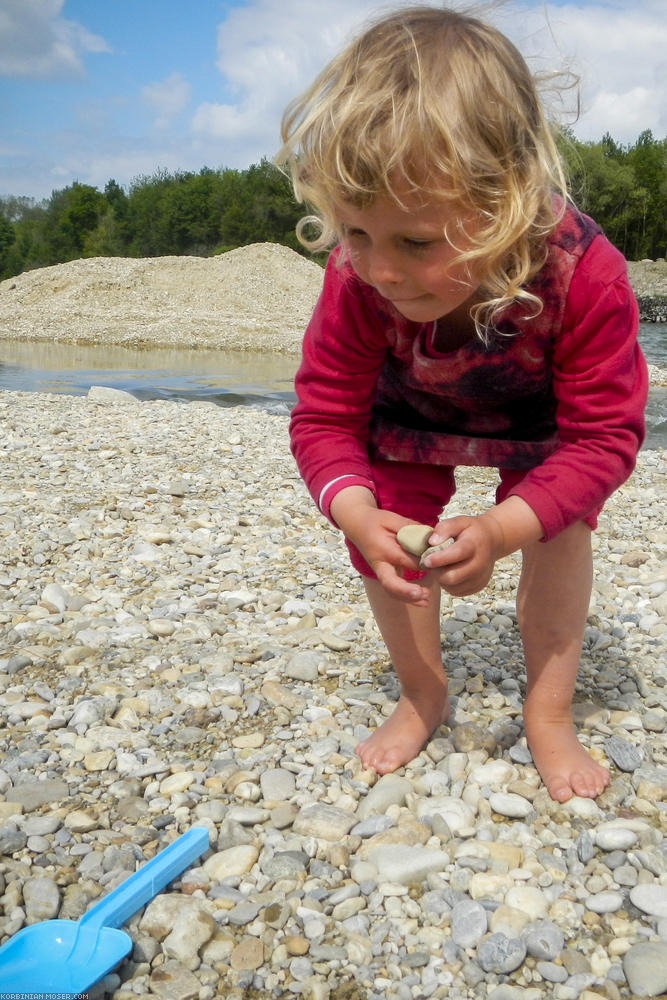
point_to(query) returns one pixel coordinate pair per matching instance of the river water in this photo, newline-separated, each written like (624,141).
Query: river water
(226,378)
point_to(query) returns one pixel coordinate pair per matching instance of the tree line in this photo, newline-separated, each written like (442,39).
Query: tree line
(624,188)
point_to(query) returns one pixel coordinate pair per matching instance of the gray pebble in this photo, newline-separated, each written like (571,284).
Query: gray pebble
(604,902)
(374,824)
(11,840)
(543,940)
(500,954)
(651,898)
(244,913)
(285,864)
(551,972)
(41,897)
(389,790)
(323,821)
(468,923)
(304,666)
(585,849)
(277,784)
(625,756)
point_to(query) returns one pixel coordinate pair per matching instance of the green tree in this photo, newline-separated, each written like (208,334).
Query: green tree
(71,214)
(7,238)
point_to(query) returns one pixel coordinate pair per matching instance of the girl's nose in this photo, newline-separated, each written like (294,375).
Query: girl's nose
(382,269)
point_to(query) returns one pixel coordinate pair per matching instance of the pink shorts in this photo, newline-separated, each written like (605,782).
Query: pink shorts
(420,492)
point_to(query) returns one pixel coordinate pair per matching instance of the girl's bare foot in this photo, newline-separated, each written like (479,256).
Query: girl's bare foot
(398,740)
(565,767)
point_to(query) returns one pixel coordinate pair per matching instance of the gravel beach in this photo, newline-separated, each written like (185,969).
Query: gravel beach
(183,643)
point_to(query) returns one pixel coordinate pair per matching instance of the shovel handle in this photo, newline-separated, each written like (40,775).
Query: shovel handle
(128,897)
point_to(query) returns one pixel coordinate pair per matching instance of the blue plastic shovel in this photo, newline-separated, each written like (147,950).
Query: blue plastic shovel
(69,956)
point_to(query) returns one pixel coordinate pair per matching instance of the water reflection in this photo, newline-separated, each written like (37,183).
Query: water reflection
(227,377)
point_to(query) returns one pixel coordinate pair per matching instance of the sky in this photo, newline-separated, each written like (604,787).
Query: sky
(97,89)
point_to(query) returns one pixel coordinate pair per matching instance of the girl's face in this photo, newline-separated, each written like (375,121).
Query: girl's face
(404,254)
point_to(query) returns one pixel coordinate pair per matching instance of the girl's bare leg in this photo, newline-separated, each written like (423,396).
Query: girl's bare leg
(412,637)
(552,606)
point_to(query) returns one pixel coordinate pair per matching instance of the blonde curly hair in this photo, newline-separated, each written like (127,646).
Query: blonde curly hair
(440,104)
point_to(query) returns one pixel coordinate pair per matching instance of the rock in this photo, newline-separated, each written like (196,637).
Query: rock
(285,864)
(80,821)
(56,595)
(651,898)
(372,826)
(529,899)
(604,902)
(33,794)
(414,538)
(407,865)
(160,916)
(233,861)
(468,923)
(610,837)
(11,840)
(191,930)
(645,968)
(499,954)
(304,666)
(508,804)
(176,783)
(494,773)
(456,813)
(389,790)
(544,940)
(625,756)
(277,784)
(323,821)
(41,898)
(171,981)
(107,396)
(249,954)
(469,736)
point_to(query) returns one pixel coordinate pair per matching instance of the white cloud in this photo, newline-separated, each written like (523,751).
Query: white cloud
(167,98)
(36,41)
(618,52)
(270,50)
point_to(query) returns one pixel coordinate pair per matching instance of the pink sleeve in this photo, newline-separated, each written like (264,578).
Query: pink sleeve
(600,383)
(343,352)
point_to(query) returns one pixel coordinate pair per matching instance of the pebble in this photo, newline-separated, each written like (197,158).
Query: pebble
(324,821)
(651,898)
(183,643)
(390,790)
(604,902)
(500,954)
(609,837)
(625,756)
(405,865)
(645,967)
(468,923)
(543,940)
(507,804)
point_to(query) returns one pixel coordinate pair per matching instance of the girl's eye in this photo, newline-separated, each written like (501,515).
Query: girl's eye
(413,244)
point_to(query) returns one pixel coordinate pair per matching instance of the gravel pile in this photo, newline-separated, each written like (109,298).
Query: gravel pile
(648,277)
(258,297)
(182,642)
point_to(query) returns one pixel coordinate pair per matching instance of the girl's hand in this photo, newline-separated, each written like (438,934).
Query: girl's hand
(466,565)
(373,531)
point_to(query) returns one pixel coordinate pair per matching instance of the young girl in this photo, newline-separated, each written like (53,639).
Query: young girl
(469,316)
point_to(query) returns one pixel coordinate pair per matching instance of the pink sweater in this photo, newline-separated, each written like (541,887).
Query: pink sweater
(561,395)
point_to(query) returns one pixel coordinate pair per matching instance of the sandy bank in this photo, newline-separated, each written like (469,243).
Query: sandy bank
(258,297)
